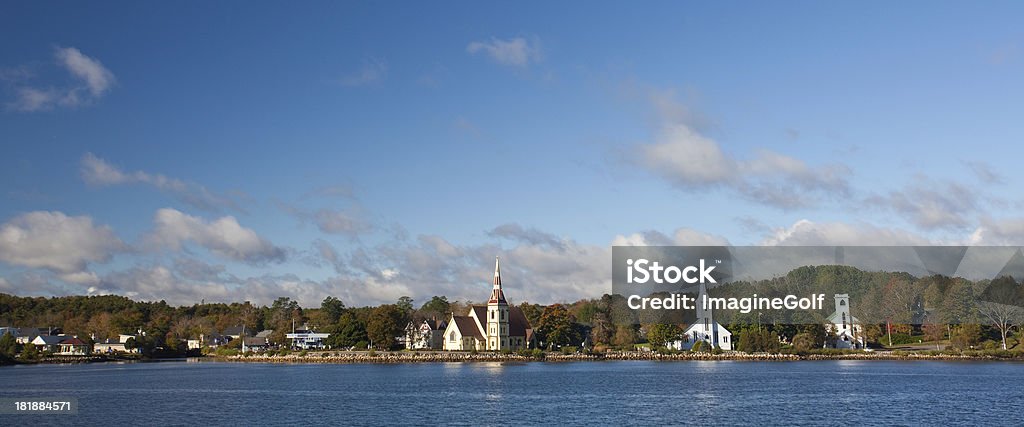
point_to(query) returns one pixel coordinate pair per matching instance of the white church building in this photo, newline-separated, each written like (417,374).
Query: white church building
(847,328)
(704,328)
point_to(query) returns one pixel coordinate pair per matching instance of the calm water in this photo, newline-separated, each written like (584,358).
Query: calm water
(815,393)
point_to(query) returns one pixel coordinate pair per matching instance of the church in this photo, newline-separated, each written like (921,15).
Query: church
(846,327)
(704,328)
(493,327)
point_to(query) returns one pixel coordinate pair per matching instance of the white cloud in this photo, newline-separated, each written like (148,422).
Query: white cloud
(681,237)
(807,233)
(98,172)
(931,205)
(347,222)
(517,51)
(690,161)
(533,236)
(34,99)
(90,70)
(998,232)
(57,242)
(223,236)
(90,81)
(984,172)
(338,222)
(372,71)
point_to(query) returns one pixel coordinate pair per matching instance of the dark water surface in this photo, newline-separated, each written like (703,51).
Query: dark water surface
(602,393)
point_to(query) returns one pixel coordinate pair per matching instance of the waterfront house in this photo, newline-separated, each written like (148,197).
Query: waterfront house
(307,339)
(256,343)
(495,326)
(236,332)
(115,345)
(26,335)
(427,335)
(47,342)
(72,346)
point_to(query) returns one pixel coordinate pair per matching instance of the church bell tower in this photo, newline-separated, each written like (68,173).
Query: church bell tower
(497,314)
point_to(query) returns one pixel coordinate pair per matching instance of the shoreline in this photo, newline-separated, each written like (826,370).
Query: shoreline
(403,357)
(465,357)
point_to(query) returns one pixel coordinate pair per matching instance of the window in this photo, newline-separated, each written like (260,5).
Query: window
(842,302)
(452,337)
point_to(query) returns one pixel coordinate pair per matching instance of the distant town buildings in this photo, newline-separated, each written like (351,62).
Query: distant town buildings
(495,326)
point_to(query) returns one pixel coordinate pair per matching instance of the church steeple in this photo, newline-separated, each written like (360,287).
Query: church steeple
(497,296)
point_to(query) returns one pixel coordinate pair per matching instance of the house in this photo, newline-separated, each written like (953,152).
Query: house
(428,335)
(72,346)
(115,345)
(236,332)
(26,335)
(847,328)
(14,332)
(704,328)
(495,326)
(307,339)
(256,343)
(47,342)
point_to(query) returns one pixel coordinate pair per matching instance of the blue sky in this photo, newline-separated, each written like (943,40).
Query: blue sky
(236,151)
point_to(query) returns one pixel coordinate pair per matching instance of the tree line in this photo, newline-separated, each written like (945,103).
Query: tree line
(900,308)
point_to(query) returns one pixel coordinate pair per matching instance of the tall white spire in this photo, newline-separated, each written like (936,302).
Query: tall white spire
(497,295)
(497,274)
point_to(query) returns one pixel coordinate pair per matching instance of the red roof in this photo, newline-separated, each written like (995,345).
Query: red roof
(71,341)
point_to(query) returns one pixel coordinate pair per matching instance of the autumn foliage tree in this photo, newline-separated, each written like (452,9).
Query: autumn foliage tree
(384,325)
(556,327)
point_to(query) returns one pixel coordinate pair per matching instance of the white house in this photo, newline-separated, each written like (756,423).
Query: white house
(704,328)
(47,342)
(306,339)
(428,335)
(495,326)
(847,328)
(114,345)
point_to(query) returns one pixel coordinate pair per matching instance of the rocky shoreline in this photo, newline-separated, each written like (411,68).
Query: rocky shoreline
(442,357)
(395,357)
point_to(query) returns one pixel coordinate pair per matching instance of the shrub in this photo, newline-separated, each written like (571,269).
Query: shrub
(697,346)
(538,353)
(303,353)
(803,342)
